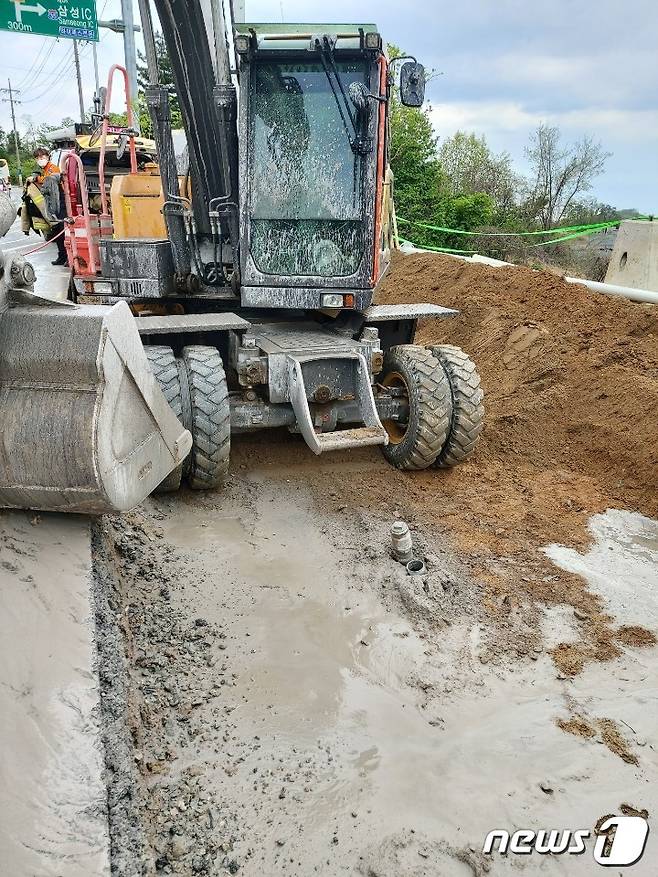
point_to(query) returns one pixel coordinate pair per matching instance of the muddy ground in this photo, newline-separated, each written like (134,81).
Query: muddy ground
(280,698)
(296,705)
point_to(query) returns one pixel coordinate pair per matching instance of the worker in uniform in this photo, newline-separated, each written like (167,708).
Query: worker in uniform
(44,203)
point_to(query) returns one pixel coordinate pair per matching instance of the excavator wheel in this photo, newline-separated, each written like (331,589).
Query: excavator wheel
(210,417)
(467,405)
(164,367)
(415,374)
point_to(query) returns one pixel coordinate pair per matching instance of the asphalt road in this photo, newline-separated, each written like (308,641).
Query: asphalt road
(52,280)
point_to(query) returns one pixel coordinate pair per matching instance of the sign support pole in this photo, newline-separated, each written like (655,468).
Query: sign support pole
(130,52)
(76,56)
(96,80)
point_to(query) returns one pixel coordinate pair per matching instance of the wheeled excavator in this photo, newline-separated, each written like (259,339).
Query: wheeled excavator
(257,310)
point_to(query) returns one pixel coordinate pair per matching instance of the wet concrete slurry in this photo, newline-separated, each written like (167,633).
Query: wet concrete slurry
(621,566)
(53,818)
(362,744)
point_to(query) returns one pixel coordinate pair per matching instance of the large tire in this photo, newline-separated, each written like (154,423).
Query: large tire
(163,366)
(418,374)
(467,404)
(211,417)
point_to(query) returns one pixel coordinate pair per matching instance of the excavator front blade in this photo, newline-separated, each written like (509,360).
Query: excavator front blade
(84,426)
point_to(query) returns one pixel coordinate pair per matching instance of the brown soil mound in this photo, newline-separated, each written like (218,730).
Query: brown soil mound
(571,393)
(570,376)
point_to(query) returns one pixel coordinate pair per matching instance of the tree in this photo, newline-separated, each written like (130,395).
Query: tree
(589,212)
(559,174)
(166,78)
(470,167)
(420,188)
(421,191)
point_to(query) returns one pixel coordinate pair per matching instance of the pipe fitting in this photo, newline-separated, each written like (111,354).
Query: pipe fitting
(416,568)
(401,542)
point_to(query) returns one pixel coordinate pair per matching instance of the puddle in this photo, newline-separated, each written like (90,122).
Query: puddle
(621,566)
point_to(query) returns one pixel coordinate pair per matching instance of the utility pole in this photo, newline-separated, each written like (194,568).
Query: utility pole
(239,12)
(130,52)
(76,57)
(11,101)
(96,80)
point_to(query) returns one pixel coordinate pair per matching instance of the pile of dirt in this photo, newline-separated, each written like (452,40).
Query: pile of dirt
(570,376)
(571,392)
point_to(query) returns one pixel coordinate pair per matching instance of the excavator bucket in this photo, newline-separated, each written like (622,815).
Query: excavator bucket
(84,426)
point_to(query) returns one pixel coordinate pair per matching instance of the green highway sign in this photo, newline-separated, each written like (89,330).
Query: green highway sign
(71,19)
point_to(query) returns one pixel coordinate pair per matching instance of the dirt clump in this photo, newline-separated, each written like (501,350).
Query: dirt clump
(634,635)
(608,733)
(615,742)
(577,726)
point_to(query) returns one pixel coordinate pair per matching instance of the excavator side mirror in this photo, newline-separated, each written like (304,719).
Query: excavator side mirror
(412,84)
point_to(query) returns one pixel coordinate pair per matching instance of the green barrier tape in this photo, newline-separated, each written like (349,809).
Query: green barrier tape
(581,231)
(505,234)
(568,237)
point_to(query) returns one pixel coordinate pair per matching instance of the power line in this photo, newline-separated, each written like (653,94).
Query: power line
(65,83)
(52,75)
(33,77)
(55,75)
(44,44)
(36,111)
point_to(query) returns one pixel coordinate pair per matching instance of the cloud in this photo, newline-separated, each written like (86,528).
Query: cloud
(496,118)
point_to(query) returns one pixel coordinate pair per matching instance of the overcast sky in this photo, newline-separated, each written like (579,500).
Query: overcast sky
(590,67)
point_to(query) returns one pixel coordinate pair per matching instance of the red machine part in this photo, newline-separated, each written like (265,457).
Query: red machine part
(106,126)
(83,229)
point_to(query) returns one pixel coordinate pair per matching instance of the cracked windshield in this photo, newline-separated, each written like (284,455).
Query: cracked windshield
(307,181)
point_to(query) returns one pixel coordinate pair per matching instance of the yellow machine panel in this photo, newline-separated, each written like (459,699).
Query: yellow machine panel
(137,201)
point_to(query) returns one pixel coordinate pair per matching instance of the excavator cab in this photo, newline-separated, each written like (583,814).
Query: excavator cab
(312,140)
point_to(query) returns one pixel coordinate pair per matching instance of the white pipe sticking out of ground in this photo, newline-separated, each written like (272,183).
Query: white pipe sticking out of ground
(643,295)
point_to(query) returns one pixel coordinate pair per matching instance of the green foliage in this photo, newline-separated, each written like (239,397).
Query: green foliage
(166,77)
(424,191)
(420,186)
(471,211)
(590,212)
(462,184)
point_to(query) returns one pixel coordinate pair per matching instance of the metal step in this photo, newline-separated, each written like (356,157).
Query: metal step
(371,433)
(360,437)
